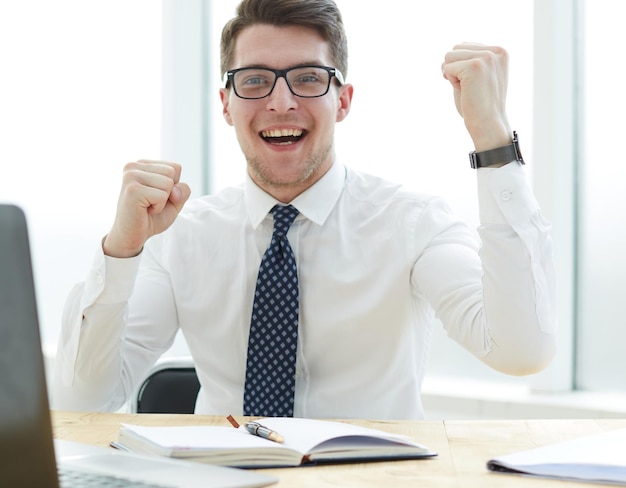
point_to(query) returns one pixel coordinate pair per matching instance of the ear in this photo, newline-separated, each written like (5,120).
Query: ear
(224,96)
(345,101)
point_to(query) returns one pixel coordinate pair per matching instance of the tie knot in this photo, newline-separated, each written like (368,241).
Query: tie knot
(283,218)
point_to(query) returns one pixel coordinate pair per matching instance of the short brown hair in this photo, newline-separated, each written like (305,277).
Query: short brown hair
(321,15)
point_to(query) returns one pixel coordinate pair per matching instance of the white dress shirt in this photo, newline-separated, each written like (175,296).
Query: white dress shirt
(376,264)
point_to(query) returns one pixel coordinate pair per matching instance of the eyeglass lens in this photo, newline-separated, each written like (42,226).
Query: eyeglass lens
(304,82)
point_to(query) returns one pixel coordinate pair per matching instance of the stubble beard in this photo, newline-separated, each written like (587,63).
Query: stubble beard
(263,174)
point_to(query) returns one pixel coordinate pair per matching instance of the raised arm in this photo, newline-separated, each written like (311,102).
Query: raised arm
(502,306)
(95,367)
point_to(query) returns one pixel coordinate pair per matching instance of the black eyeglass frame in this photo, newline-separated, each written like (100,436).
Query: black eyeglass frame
(282,73)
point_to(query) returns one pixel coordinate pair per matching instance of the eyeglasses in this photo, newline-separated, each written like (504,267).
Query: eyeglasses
(304,81)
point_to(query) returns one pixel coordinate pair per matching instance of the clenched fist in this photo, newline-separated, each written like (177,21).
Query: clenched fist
(152,195)
(479,77)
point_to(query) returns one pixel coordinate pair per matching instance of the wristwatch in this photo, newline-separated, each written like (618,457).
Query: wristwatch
(498,156)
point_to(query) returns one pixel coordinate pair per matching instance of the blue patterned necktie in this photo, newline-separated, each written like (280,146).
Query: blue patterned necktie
(273,341)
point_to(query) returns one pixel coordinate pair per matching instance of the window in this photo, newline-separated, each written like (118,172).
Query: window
(80,93)
(601,326)
(88,86)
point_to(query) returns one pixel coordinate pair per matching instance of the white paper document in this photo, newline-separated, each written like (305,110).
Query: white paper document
(599,458)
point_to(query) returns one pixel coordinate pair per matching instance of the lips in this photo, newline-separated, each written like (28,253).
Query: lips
(282,136)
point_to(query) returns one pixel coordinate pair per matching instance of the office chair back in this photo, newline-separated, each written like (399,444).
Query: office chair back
(171,387)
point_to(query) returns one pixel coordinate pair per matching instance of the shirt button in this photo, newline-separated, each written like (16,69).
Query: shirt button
(506,195)
(99,279)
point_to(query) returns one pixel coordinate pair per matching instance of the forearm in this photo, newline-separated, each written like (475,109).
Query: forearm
(518,273)
(518,298)
(87,365)
(89,370)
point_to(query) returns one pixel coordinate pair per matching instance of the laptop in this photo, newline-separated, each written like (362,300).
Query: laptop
(28,454)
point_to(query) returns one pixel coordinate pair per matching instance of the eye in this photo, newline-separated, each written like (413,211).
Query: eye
(253,80)
(308,78)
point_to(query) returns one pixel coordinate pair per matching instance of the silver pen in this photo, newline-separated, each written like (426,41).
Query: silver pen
(256,428)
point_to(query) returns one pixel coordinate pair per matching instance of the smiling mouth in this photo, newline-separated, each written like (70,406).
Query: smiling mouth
(283,137)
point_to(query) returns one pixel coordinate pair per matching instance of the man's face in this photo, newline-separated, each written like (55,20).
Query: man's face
(285,166)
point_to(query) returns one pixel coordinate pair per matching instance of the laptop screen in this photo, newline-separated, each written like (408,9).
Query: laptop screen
(26,447)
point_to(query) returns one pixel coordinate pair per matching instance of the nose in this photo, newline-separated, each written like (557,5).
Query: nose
(282,99)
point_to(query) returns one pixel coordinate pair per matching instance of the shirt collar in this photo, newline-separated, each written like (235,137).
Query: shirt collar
(315,204)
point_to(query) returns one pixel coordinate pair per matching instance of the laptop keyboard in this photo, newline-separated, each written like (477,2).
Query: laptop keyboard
(69,478)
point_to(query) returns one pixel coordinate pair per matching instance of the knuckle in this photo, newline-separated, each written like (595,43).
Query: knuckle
(131,173)
(133,188)
(478,64)
(131,166)
(171,170)
(500,52)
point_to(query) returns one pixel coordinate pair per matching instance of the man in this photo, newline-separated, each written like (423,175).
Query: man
(334,319)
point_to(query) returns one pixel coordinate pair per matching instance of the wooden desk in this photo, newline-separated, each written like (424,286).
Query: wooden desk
(463,447)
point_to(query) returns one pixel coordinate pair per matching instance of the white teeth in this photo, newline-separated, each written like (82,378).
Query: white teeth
(282,133)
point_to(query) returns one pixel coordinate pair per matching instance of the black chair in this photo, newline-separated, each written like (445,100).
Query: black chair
(171,387)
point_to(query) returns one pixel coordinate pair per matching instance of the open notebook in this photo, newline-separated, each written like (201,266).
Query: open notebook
(28,454)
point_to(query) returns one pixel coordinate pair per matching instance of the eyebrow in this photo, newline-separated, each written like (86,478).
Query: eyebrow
(267,66)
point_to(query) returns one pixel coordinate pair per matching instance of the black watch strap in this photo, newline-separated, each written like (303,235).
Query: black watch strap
(497,156)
